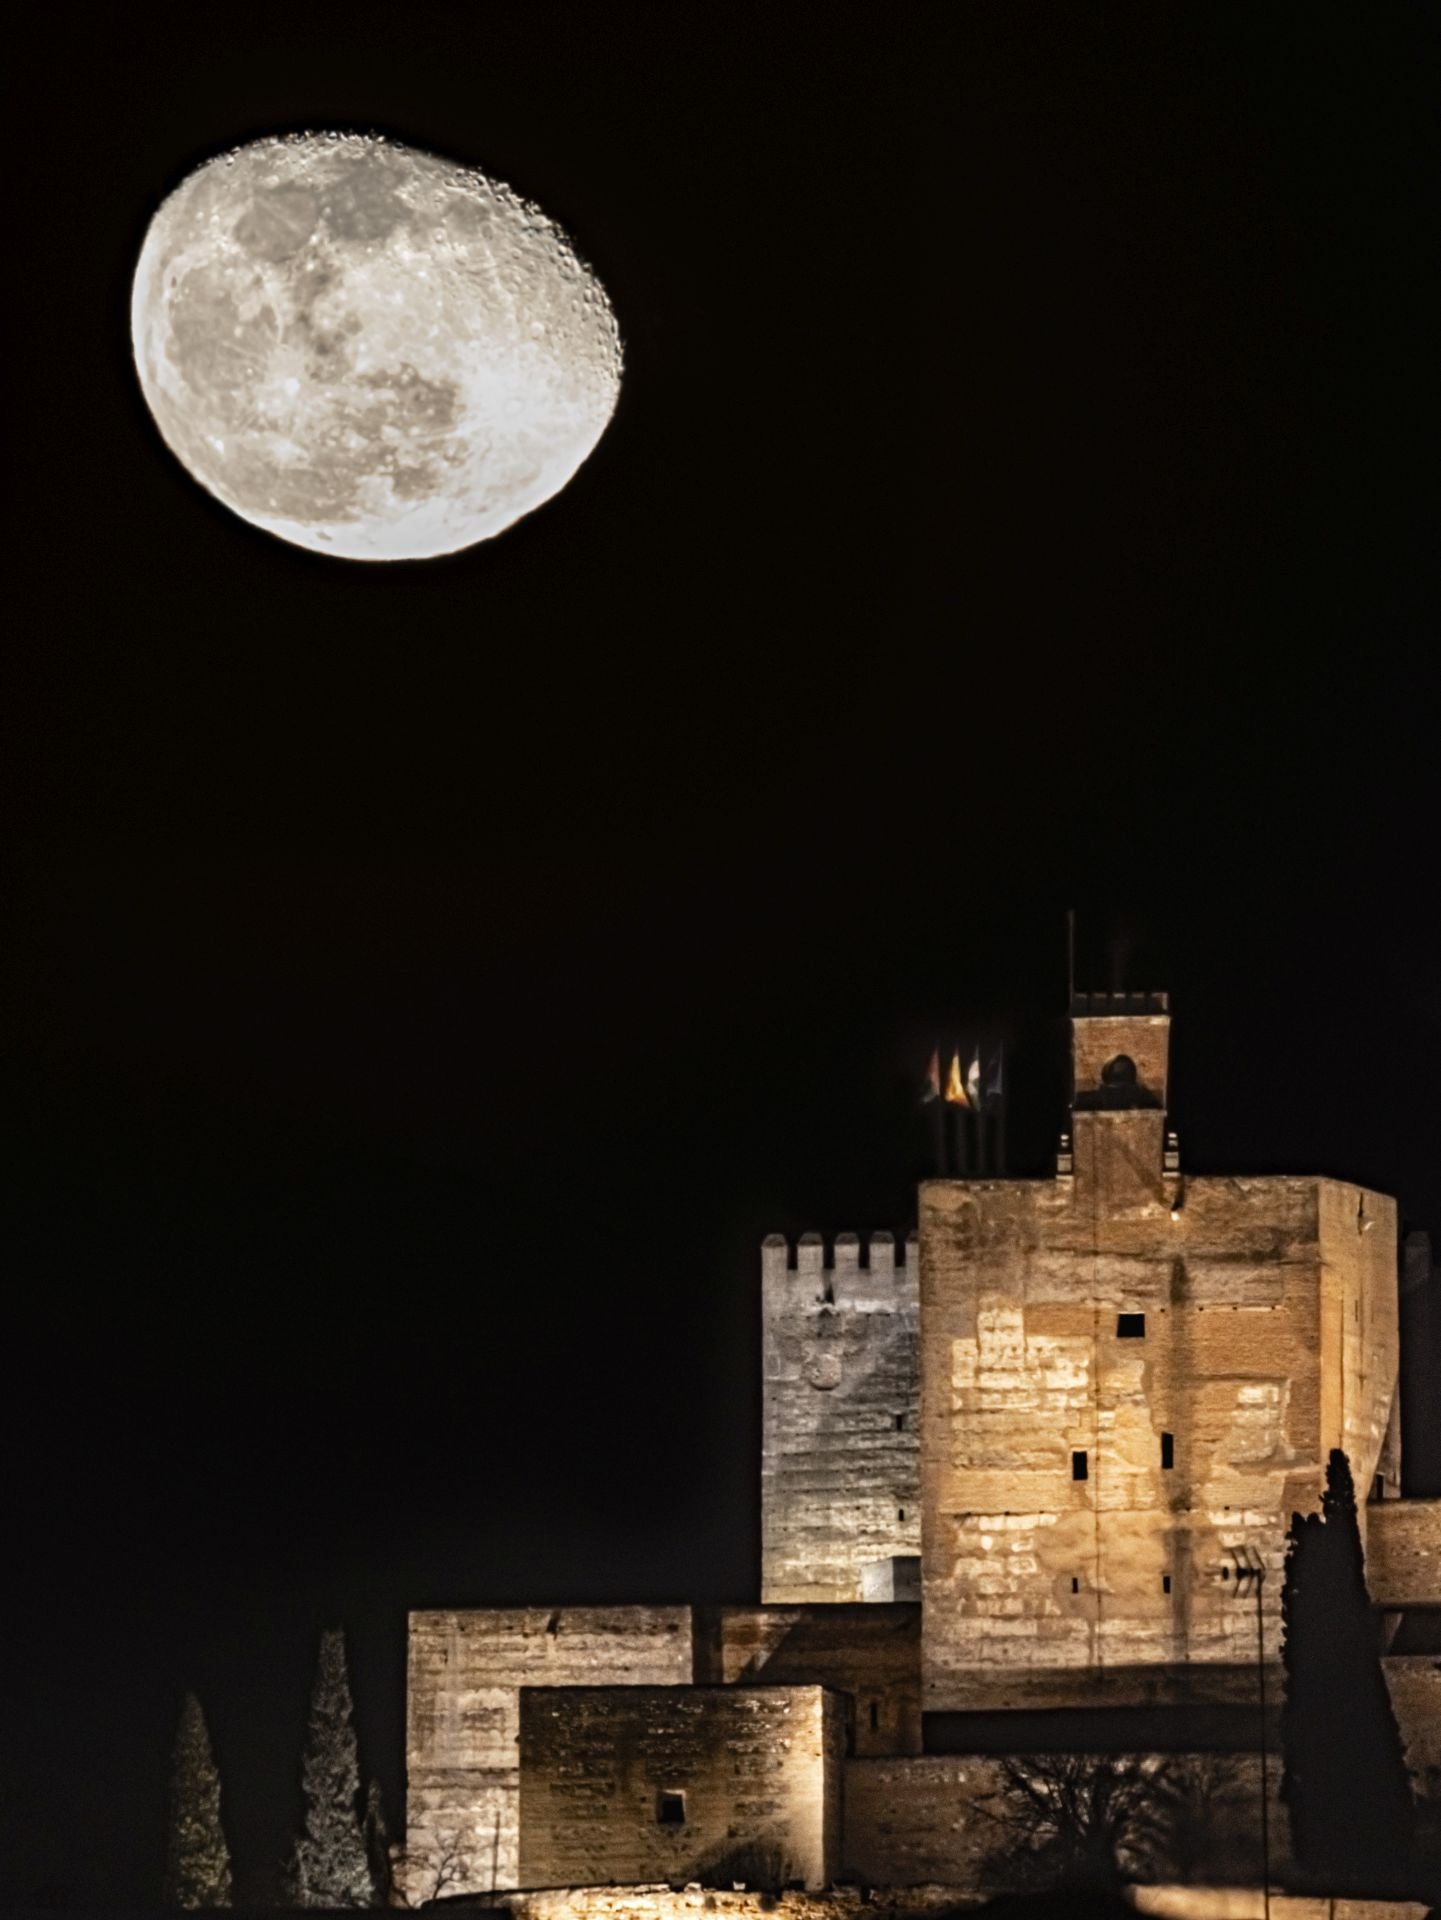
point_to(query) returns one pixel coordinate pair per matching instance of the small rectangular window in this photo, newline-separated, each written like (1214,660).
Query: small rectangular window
(1130,1326)
(1075,1584)
(900,1513)
(1225,1573)
(1168,1450)
(670,1809)
(1080,1469)
(1165,1583)
(900,1423)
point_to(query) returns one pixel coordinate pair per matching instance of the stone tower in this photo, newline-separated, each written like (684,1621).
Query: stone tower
(1130,1379)
(840,1451)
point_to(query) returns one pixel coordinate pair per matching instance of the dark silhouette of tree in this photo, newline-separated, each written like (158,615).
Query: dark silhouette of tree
(1082,1820)
(1344,1776)
(329,1867)
(197,1865)
(377,1847)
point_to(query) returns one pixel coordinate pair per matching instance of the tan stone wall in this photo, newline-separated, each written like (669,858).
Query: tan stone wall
(464,1675)
(913,1821)
(759,1769)
(840,1487)
(1360,1355)
(869,1654)
(1414,1681)
(1040,1589)
(916,1821)
(1403,1553)
(1097,1039)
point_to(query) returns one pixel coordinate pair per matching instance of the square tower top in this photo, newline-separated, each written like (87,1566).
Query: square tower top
(1120,1044)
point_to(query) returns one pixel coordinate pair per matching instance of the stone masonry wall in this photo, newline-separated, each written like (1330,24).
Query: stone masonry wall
(1403,1553)
(871,1654)
(840,1487)
(1414,1681)
(1360,1331)
(625,1785)
(914,1821)
(917,1821)
(465,1672)
(1043,1589)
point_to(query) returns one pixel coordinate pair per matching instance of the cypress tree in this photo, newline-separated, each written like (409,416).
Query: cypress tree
(377,1847)
(197,1865)
(329,1867)
(1344,1777)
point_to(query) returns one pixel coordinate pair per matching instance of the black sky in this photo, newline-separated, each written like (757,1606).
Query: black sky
(424,985)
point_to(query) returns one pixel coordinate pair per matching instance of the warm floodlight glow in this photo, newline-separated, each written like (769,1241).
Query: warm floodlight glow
(367,350)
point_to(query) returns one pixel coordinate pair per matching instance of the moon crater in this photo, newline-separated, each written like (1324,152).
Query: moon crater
(368,350)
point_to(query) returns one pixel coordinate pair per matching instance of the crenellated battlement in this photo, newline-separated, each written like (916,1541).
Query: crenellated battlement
(806,1259)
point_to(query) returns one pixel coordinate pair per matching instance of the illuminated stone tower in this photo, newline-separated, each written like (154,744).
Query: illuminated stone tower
(1130,1379)
(840,1453)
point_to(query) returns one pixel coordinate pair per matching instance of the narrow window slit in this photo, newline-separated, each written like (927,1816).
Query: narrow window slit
(1168,1450)
(1080,1468)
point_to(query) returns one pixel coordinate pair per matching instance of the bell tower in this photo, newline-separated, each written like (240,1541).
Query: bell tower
(1120,1044)
(1120,1047)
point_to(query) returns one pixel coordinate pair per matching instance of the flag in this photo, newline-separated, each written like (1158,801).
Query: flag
(955,1086)
(973,1078)
(933,1078)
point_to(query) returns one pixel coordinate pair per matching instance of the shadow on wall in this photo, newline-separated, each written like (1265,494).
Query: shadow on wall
(761,1864)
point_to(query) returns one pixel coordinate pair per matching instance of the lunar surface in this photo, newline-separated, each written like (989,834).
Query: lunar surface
(368,350)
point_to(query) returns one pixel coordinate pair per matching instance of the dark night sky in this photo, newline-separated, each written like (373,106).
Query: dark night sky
(424,985)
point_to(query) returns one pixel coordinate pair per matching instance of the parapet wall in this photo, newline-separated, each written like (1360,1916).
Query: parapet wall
(840,1459)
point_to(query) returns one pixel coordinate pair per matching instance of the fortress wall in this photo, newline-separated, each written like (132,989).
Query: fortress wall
(869,1653)
(757,1771)
(1403,1553)
(915,1821)
(1414,1681)
(465,1671)
(840,1480)
(1361,1334)
(1024,1365)
(912,1821)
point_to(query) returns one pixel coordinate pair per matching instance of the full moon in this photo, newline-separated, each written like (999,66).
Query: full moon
(368,350)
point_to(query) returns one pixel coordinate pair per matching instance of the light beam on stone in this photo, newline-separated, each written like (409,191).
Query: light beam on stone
(368,350)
